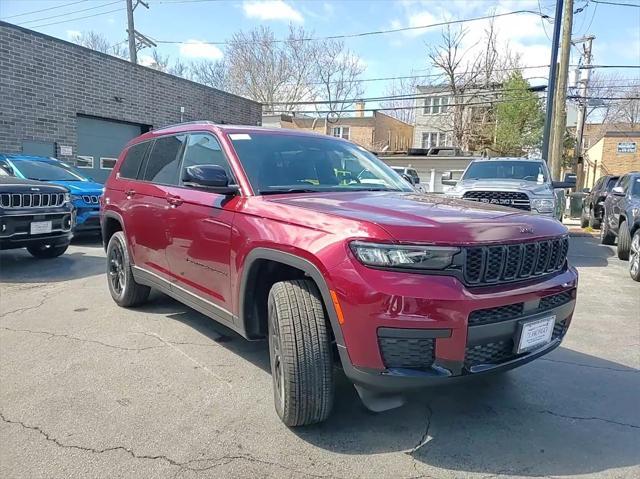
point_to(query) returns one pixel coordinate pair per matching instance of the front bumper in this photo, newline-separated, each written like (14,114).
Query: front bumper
(15,228)
(87,217)
(405,331)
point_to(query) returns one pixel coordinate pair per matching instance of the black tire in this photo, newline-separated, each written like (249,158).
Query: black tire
(593,221)
(123,288)
(624,241)
(300,352)
(634,257)
(47,251)
(584,222)
(606,236)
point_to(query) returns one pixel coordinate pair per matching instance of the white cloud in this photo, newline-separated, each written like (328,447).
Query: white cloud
(198,49)
(71,34)
(271,10)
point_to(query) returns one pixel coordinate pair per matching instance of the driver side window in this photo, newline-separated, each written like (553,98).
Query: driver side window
(204,149)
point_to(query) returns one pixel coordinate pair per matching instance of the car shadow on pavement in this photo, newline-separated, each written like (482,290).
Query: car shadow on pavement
(88,240)
(589,252)
(18,266)
(567,414)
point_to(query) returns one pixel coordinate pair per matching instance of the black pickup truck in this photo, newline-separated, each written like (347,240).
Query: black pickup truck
(35,215)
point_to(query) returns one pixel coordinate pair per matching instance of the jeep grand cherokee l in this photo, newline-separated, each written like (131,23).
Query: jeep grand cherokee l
(263,231)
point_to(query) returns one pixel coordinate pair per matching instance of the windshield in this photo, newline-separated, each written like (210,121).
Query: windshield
(507,170)
(46,171)
(293,163)
(635,187)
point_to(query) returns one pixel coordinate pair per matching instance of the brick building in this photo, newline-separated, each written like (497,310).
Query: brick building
(60,99)
(378,132)
(616,153)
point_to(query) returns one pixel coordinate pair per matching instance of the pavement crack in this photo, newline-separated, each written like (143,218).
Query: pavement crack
(588,418)
(629,370)
(425,437)
(75,338)
(45,297)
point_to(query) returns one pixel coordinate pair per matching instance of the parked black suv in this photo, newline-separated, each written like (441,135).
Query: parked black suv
(34,215)
(622,214)
(593,203)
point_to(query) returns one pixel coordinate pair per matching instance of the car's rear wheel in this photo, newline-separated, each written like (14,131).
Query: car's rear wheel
(584,222)
(594,222)
(122,286)
(634,256)
(47,250)
(624,241)
(606,236)
(300,352)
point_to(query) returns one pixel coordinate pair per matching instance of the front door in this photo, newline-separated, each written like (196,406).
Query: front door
(199,228)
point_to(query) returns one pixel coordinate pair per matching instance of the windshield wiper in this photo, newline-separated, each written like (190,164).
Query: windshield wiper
(288,190)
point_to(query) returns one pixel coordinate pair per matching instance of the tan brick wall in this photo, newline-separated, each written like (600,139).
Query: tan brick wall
(615,163)
(396,133)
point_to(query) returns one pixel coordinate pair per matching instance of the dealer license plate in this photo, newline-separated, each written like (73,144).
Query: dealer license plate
(536,333)
(40,227)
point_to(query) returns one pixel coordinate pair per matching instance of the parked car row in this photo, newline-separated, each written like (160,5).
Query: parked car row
(43,202)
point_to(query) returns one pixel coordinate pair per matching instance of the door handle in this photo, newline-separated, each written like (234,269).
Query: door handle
(130,193)
(174,200)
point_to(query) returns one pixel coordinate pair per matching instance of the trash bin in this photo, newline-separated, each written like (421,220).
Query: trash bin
(575,204)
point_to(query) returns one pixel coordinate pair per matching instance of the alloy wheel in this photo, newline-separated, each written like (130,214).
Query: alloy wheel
(117,276)
(634,256)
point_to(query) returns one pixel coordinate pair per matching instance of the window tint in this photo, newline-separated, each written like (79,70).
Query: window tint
(164,160)
(624,183)
(131,163)
(203,149)
(611,183)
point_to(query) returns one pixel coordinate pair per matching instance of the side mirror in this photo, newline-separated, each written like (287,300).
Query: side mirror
(586,190)
(617,191)
(447,179)
(210,177)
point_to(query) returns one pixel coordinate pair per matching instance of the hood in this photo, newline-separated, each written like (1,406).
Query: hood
(503,185)
(81,187)
(11,184)
(411,217)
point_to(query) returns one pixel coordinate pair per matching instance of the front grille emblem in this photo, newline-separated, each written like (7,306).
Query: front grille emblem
(526,230)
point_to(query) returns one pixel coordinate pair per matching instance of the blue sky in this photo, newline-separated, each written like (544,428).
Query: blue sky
(617,29)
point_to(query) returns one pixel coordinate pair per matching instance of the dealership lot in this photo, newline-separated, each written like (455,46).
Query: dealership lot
(91,390)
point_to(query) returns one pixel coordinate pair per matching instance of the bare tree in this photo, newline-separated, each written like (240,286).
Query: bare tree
(401,98)
(337,71)
(98,42)
(213,73)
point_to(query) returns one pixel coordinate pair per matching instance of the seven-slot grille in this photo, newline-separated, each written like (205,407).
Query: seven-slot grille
(31,200)
(485,265)
(91,199)
(512,199)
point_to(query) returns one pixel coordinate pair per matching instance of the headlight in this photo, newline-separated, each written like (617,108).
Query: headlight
(403,256)
(543,205)
(67,197)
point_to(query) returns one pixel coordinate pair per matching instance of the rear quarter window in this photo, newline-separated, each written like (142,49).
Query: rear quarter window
(132,161)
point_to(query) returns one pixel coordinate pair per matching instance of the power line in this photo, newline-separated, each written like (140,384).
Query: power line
(607,66)
(373,32)
(617,4)
(44,9)
(78,18)
(70,13)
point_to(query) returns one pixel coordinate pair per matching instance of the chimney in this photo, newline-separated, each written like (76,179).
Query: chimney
(359,108)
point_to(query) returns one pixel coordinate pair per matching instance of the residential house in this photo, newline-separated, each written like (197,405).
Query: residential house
(378,132)
(616,153)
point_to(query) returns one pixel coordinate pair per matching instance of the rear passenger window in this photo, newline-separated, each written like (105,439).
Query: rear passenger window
(164,160)
(203,149)
(131,163)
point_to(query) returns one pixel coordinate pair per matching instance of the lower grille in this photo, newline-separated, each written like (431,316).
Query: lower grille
(498,352)
(413,353)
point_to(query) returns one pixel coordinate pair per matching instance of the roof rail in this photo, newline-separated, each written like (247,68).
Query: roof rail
(195,122)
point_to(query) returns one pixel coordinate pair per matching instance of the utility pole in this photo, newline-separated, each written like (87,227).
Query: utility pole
(131,31)
(137,40)
(585,75)
(553,68)
(560,116)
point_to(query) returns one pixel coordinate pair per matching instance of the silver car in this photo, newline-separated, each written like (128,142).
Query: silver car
(519,183)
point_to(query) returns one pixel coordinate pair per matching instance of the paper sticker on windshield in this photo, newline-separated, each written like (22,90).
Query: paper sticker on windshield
(239,136)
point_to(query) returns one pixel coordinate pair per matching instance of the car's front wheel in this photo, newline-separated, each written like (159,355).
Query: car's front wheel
(300,352)
(634,256)
(624,241)
(47,250)
(122,286)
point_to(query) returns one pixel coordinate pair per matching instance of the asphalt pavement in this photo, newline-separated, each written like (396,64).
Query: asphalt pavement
(88,389)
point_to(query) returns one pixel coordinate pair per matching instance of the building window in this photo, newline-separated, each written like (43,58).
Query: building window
(434,139)
(341,132)
(435,105)
(107,163)
(84,162)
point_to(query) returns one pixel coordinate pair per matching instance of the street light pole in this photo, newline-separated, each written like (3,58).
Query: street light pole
(553,69)
(582,111)
(133,53)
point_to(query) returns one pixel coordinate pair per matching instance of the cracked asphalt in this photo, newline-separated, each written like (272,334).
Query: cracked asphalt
(88,389)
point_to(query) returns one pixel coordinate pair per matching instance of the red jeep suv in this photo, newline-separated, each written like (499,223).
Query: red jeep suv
(315,244)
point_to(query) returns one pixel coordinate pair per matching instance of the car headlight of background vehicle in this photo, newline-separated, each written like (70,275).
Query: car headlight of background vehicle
(403,256)
(76,197)
(68,197)
(543,205)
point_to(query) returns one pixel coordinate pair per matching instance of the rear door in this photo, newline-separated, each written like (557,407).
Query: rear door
(199,227)
(614,203)
(148,206)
